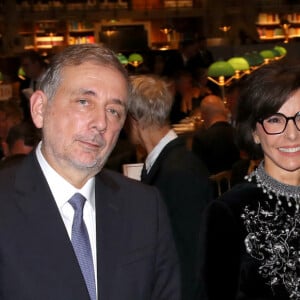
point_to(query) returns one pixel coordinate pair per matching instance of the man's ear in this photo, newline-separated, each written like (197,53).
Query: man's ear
(38,104)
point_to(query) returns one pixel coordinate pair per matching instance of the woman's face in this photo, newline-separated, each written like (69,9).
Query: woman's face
(282,151)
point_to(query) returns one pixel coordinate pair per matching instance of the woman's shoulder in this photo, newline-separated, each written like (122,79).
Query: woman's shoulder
(240,196)
(241,192)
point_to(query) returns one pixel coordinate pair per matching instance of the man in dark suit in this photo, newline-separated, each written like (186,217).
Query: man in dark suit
(215,143)
(10,115)
(68,229)
(34,67)
(21,140)
(178,60)
(203,57)
(175,171)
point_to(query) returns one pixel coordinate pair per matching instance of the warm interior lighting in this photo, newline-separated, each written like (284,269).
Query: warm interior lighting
(285,24)
(110,32)
(166,29)
(225,28)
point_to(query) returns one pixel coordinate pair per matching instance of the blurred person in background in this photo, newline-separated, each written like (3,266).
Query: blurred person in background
(187,95)
(178,60)
(214,142)
(20,141)
(34,66)
(10,115)
(179,175)
(203,57)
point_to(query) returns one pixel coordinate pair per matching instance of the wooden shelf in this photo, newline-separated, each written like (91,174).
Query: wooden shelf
(270,26)
(80,32)
(279,37)
(71,31)
(46,34)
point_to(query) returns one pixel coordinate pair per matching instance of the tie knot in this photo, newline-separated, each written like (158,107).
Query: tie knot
(77,201)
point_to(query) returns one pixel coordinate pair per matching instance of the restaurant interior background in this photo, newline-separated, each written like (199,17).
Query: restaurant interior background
(231,27)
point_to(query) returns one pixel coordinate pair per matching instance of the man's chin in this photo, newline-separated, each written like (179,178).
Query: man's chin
(89,161)
(88,164)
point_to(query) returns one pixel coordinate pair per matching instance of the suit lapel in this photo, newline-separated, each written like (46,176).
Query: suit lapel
(109,238)
(46,231)
(150,177)
(49,237)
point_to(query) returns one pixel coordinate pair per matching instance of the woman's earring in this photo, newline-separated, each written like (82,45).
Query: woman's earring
(256,140)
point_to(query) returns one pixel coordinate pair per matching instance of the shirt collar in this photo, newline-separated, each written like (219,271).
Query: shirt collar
(61,189)
(152,156)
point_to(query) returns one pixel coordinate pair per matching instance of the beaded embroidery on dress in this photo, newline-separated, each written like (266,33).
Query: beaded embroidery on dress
(273,228)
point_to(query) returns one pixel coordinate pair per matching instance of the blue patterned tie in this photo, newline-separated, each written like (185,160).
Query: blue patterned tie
(81,244)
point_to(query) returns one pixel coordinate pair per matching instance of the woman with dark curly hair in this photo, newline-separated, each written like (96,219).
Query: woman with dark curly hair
(250,246)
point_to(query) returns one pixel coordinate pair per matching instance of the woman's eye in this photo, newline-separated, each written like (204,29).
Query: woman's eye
(275,120)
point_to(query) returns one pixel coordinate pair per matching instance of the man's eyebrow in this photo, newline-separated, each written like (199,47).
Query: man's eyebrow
(82,91)
(119,102)
(89,92)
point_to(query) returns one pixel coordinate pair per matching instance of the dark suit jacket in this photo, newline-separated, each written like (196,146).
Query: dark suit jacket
(136,254)
(183,182)
(174,64)
(203,59)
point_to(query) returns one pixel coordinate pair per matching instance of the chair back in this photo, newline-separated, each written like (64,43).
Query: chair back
(222,180)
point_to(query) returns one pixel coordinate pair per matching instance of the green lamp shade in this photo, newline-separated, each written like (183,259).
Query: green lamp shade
(220,68)
(21,73)
(122,59)
(281,50)
(254,59)
(267,54)
(239,63)
(276,53)
(135,59)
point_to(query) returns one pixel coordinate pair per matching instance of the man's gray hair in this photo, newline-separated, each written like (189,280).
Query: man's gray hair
(74,56)
(151,101)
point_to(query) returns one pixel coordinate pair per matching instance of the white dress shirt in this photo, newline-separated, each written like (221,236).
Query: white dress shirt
(152,156)
(62,191)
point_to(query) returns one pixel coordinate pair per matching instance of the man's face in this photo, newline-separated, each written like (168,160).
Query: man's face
(82,123)
(31,68)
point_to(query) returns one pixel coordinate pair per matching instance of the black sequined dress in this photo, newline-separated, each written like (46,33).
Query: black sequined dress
(250,245)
